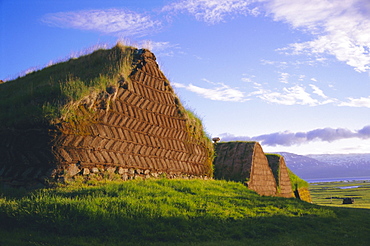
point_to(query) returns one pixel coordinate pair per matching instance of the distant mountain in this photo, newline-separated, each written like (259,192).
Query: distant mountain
(328,165)
(348,160)
(300,161)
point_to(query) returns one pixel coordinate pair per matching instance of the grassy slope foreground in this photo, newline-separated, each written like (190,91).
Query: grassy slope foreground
(173,212)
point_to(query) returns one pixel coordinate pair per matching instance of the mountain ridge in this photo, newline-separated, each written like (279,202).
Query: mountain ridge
(316,166)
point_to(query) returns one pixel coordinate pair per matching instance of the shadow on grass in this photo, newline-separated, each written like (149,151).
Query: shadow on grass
(103,216)
(307,230)
(175,230)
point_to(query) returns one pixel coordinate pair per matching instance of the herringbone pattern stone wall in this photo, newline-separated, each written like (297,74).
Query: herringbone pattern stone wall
(142,128)
(137,129)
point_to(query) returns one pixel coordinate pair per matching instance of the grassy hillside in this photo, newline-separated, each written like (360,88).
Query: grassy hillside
(172,212)
(296,181)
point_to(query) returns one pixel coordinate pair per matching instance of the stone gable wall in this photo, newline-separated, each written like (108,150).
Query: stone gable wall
(233,161)
(280,170)
(245,162)
(266,174)
(261,179)
(138,129)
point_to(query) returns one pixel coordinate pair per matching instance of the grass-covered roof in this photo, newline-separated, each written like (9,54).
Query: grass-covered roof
(44,96)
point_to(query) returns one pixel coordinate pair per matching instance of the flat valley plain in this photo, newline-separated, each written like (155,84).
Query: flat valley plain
(333,193)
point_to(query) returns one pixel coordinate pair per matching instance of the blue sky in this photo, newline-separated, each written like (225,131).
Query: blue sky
(291,74)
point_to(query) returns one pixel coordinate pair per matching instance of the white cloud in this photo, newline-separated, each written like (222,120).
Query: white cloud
(221,92)
(294,95)
(289,96)
(247,80)
(299,95)
(267,62)
(342,28)
(357,102)
(117,22)
(288,138)
(318,91)
(159,46)
(213,11)
(296,63)
(284,77)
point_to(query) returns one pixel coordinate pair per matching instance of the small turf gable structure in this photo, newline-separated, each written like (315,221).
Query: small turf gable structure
(281,174)
(112,112)
(245,162)
(267,174)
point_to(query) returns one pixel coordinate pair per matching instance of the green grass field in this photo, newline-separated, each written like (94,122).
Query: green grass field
(329,193)
(172,212)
